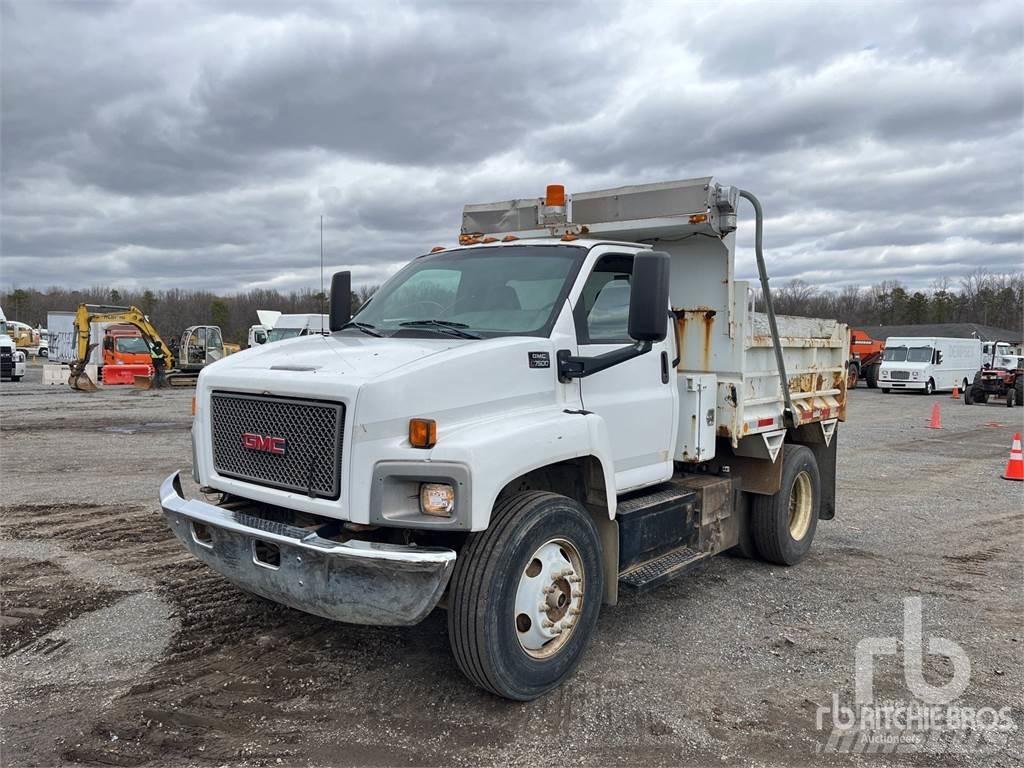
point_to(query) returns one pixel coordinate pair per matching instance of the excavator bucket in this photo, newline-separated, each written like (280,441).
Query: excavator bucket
(143,382)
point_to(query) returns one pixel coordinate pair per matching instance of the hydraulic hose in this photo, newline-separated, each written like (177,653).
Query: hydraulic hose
(762,271)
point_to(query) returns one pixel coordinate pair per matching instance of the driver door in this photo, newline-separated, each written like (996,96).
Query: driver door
(636,399)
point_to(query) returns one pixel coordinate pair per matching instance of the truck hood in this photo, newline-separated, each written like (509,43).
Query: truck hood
(355,357)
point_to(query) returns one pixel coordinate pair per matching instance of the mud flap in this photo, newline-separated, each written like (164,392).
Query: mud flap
(825,455)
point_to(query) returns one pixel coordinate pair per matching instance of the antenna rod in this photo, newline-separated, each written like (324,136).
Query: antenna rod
(321,273)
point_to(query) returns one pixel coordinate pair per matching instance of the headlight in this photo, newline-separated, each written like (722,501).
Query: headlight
(437,499)
(19,356)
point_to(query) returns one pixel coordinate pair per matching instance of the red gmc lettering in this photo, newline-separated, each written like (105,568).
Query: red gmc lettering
(264,443)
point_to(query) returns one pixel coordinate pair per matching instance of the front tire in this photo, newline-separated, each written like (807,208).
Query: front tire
(525,595)
(1010,397)
(783,525)
(969,395)
(872,376)
(929,387)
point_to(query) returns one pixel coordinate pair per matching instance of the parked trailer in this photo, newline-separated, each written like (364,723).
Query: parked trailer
(513,430)
(928,364)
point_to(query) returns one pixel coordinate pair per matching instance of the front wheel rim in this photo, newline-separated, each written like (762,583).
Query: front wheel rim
(549,598)
(801,504)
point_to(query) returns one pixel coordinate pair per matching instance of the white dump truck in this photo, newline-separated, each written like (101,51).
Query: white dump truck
(577,400)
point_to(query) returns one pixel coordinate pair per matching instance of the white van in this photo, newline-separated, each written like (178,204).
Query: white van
(929,364)
(291,326)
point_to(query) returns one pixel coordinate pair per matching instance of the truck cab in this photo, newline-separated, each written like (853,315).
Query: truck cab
(123,345)
(12,359)
(577,399)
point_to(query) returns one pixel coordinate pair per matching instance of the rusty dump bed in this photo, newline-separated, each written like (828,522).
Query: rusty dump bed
(740,353)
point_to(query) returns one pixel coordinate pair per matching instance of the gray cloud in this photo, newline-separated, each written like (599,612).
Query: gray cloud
(197,144)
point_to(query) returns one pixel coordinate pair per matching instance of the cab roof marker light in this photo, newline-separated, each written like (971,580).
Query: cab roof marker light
(554,196)
(437,249)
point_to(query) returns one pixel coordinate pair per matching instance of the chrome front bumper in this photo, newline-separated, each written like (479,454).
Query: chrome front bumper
(359,582)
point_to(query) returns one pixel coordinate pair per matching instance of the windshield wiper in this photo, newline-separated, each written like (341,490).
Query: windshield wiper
(452,328)
(366,328)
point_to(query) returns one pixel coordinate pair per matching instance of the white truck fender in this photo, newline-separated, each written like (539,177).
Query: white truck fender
(500,450)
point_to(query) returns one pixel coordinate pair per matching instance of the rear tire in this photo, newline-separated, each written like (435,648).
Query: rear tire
(783,525)
(493,626)
(852,375)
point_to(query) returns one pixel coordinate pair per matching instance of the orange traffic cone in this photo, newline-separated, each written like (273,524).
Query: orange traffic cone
(956,392)
(1015,466)
(935,422)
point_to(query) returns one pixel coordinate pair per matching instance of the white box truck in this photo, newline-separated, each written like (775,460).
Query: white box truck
(579,399)
(292,326)
(928,364)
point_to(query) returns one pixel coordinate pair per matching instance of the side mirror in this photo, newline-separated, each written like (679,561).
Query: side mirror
(648,299)
(341,299)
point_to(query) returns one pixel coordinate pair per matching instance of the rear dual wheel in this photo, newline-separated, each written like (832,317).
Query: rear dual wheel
(525,595)
(783,525)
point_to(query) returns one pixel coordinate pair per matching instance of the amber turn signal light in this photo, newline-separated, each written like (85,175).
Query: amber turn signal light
(422,433)
(193,405)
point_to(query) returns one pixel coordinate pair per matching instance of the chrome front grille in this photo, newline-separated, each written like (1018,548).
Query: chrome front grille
(904,375)
(280,442)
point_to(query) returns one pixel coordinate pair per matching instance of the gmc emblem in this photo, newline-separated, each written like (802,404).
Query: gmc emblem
(264,443)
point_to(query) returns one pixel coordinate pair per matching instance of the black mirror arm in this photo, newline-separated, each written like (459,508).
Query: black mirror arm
(574,367)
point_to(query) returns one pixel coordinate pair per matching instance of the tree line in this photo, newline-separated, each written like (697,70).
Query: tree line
(979,297)
(174,310)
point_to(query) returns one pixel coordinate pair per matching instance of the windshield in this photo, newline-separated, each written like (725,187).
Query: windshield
(132,345)
(895,354)
(502,291)
(276,334)
(919,355)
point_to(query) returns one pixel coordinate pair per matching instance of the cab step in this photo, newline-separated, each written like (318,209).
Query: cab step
(662,568)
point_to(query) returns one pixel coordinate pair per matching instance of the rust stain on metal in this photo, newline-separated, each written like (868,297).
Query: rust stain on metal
(709,321)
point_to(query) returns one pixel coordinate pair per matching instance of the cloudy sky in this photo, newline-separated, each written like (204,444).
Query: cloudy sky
(181,144)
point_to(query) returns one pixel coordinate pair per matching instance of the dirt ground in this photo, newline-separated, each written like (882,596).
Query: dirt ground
(119,649)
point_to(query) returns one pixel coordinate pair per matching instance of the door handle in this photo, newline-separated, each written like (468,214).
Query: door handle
(664,367)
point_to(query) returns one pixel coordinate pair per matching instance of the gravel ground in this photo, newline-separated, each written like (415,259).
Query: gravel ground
(118,649)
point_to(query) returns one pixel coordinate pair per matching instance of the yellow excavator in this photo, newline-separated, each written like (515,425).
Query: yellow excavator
(200,345)
(88,314)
